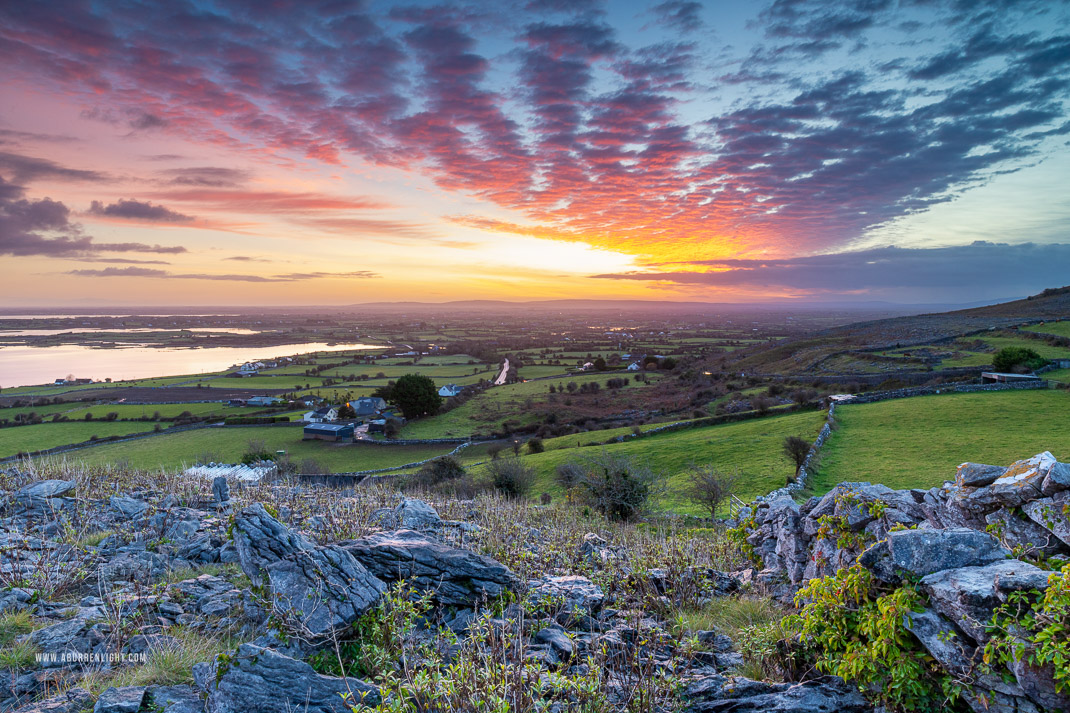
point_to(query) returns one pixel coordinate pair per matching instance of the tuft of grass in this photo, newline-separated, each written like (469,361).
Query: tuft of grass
(18,655)
(166,665)
(92,539)
(731,615)
(13,625)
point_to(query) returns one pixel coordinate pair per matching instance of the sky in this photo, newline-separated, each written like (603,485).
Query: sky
(318,152)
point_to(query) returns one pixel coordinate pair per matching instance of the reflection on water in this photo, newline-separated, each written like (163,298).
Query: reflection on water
(20,366)
(90,330)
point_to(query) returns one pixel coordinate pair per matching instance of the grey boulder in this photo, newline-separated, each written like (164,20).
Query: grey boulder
(324,587)
(453,576)
(260,680)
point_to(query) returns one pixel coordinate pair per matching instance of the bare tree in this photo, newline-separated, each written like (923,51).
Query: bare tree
(796,449)
(710,487)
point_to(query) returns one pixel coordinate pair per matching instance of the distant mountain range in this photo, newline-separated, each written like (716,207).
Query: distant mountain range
(506,306)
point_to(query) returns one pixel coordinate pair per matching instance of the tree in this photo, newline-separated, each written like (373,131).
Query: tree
(600,364)
(416,396)
(347,411)
(709,487)
(796,449)
(1017,359)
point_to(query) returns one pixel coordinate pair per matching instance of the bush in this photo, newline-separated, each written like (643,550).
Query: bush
(1032,626)
(857,632)
(440,470)
(1017,359)
(568,475)
(616,487)
(535,445)
(511,477)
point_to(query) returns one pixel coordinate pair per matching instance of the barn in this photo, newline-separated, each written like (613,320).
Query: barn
(329,432)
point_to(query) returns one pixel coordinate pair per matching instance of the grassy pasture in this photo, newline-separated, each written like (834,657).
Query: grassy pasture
(18,439)
(751,447)
(228,444)
(1060,328)
(919,442)
(77,411)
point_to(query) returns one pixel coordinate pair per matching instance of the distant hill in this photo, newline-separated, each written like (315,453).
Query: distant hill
(795,355)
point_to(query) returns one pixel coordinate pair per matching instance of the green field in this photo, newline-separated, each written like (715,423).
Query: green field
(919,442)
(24,439)
(1060,375)
(228,445)
(1060,328)
(753,448)
(77,411)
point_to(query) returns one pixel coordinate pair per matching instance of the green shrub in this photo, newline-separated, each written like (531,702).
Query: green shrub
(1034,626)
(857,632)
(1011,358)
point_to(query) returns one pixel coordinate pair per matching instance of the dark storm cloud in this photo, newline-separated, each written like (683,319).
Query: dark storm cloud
(136,210)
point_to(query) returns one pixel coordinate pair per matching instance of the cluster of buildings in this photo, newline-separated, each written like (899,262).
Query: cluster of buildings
(327,423)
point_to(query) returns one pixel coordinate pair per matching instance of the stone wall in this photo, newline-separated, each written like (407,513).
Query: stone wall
(954,541)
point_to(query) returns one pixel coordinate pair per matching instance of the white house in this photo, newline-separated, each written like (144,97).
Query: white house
(322,415)
(587,367)
(634,366)
(450,390)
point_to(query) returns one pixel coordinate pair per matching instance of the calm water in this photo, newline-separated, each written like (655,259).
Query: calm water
(32,332)
(22,366)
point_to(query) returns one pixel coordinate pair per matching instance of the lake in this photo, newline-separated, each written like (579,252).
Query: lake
(24,366)
(34,332)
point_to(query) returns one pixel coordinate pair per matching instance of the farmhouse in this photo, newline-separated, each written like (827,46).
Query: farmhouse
(322,415)
(262,401)
(367,405)
(329,432)
(634,366)
(450,390)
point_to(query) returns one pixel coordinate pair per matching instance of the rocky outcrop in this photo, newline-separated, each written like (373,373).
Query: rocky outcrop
(325,588)
(261,680)
(718,694)
(453,576)
(953,541)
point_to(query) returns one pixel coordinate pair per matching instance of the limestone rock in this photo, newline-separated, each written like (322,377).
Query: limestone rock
(572,592)
(414,514)
(1053,514)
(739,695)
(324,586)
(260,680)
(455,576)
(127,699)
(968,596)
(923,552)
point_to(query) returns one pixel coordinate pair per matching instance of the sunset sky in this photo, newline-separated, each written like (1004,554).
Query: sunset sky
(293,152)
